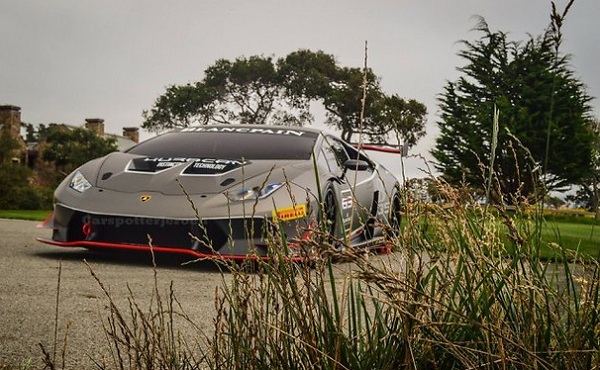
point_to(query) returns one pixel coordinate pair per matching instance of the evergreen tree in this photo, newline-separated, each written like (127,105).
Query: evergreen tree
(545,138)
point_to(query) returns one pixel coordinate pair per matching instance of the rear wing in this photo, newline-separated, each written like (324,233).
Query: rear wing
(385,148)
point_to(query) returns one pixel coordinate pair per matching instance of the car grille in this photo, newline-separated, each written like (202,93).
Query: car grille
(206,236)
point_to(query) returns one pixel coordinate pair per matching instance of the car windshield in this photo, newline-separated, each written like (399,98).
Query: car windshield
(230,142)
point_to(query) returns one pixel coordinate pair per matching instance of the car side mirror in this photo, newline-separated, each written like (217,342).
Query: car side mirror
(356,165)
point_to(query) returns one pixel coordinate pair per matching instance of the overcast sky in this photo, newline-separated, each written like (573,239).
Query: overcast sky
(63,61)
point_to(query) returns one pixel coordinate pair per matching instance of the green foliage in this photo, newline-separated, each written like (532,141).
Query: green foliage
(16,191)
(307,75)
(544,118)
(407,118)
(7,147)
(588,193)
(68,148)
(31,136)
(383,114)
(247,90)
(20,187)
(258,90)
(179,106)
(14,187)
(345,99)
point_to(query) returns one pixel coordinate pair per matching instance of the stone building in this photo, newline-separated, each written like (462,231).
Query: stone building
(10,123)
(44,173)
(130,137)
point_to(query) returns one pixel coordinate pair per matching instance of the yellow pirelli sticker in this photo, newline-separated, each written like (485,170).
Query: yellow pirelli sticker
(290,213)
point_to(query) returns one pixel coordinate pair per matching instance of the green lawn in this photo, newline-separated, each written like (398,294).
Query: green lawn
(34,215)
(577,234)
(581,236)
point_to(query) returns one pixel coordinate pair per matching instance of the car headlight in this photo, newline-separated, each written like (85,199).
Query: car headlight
(79,183)
(253,193)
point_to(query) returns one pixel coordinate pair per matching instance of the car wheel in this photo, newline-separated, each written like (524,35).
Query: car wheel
(330,214)
(369,228)
(396,214)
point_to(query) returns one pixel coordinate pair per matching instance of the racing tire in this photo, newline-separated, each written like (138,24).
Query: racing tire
(330,216)
(395,220)
(369,227)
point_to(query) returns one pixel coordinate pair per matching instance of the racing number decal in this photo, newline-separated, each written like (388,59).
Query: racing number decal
(346,203)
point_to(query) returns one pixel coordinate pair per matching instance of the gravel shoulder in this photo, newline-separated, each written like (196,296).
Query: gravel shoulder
(29,274)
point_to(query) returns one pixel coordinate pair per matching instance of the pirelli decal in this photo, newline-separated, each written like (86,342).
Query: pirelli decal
(290,213)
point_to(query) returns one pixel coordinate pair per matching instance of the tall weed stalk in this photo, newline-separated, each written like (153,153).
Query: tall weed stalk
(453,297)
(463,289)
(147,337)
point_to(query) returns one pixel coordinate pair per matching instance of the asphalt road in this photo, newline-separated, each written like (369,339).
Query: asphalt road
(29,274)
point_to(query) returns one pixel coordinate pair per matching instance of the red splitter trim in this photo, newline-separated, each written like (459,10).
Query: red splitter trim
(160,249)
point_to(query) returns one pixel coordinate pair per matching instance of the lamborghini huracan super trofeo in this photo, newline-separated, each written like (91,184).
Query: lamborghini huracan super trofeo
(228,192)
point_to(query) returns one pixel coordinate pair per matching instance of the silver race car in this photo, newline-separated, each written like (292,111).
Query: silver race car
(231,191)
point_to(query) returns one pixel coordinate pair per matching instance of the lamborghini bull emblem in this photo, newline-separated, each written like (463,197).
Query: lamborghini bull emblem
(144,198)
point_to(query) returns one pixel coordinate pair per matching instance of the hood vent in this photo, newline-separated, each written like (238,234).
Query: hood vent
(227,181)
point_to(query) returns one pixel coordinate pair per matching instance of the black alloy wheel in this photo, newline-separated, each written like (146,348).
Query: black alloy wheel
(330,215)
(396,214)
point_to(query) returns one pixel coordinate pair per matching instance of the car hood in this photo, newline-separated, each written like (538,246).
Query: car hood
(168,175)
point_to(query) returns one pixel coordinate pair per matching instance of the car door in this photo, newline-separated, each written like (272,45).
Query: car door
(354,186)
